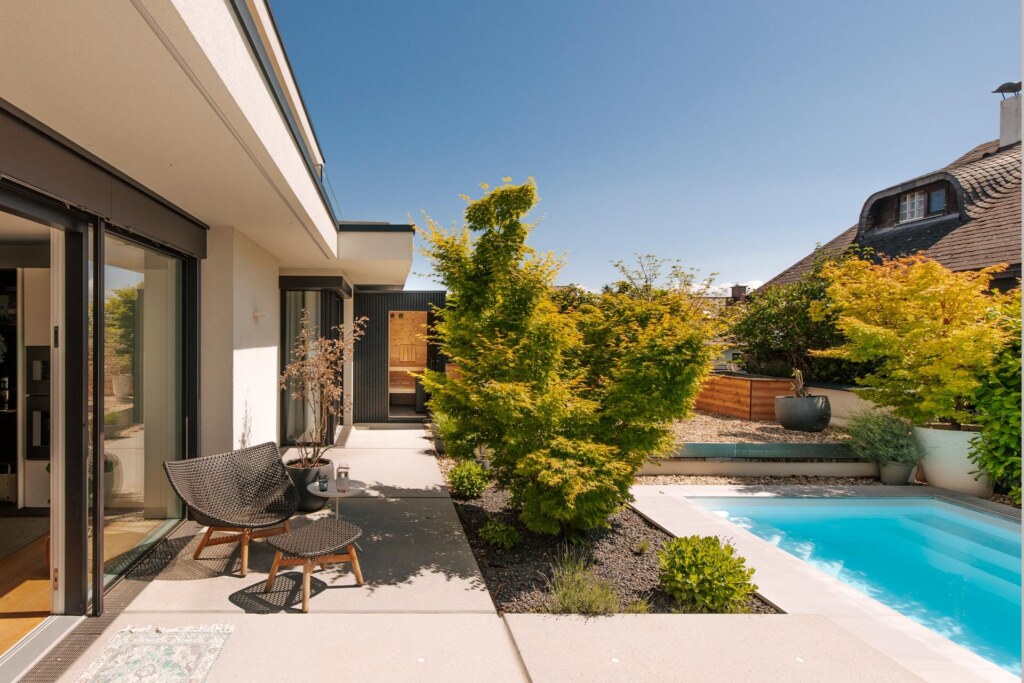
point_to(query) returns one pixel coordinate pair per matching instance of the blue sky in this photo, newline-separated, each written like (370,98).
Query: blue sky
(732,136)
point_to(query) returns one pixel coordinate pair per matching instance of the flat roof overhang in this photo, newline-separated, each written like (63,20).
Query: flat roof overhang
(171,95)
(376,253)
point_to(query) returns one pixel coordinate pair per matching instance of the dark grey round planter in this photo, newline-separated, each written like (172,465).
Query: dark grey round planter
(894,473)
(302,477)
(439,445)
(803,413)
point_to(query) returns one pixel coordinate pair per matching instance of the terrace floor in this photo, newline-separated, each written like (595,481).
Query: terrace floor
(425,614)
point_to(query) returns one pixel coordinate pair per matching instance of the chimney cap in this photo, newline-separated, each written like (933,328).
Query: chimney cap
(1008,88)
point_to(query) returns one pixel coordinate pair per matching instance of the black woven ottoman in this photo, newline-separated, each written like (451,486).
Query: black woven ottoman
(318,543)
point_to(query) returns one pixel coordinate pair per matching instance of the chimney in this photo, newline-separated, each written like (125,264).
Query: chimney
(1009,121)
(739,292)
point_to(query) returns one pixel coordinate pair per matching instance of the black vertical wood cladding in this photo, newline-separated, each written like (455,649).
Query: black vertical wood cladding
(370,391)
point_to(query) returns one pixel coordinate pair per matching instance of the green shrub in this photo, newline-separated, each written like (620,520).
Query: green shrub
(777,331)
(573,589)
(882,438)
(643,547)
(996,451)
(638,606)
(933,334)
(500,535)
(467,480)
(704,574)
(571,396)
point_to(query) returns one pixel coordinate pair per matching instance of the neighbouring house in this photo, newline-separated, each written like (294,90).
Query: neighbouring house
(164,223)
(966,215)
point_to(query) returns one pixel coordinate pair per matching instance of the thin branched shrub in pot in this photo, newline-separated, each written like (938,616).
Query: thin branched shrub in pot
(314,378)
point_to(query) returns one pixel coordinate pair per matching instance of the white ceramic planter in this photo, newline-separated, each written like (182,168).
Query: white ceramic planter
(946,463)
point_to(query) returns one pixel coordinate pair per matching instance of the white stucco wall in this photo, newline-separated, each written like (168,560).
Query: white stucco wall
(257,333)
(239,337)
(216,342)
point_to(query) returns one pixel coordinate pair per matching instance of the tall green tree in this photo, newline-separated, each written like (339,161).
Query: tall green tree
(568,401)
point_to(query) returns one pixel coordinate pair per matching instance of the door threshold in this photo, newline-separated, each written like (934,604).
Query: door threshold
(24,654)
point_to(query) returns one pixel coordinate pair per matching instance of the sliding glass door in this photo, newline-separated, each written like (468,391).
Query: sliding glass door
(142,378)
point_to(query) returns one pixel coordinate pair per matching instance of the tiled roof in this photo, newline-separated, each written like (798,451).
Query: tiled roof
(990,232)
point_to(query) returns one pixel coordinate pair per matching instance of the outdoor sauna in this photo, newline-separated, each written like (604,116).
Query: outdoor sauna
(392,352)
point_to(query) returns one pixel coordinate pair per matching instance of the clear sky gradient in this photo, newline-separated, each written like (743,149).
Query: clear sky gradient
(733,136)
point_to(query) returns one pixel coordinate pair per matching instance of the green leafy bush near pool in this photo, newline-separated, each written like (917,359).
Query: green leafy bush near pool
(467,480)
(996,451)
(704,574)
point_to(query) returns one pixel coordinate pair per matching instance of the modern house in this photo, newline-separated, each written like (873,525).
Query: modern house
(966,216)
(163,224)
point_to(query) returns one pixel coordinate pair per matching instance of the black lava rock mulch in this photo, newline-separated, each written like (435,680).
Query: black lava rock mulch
(625,554)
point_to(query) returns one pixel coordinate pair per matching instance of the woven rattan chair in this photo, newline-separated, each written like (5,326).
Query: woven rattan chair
(245,493)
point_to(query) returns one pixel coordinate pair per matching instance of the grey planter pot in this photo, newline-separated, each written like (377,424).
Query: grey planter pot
(439,445)
(302,477)
(894,473)
(803,413)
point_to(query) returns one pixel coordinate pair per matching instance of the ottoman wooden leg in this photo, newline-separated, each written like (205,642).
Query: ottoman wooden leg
(307,570)
(355,564)
(273,572)
(246,535)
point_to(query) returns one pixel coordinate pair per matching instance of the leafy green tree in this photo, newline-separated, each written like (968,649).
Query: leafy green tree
(997,450)
(567,402)
(120,309)
(778,333)
(933,333)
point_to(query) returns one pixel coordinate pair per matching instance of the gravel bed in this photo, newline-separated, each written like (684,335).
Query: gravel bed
(708,428)
(1005,499)
(716,480)
(516,578)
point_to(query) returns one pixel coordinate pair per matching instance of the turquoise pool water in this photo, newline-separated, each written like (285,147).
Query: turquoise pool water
(955,570)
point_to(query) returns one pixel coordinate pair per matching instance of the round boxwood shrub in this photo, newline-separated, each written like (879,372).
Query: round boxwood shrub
(467,480)
(704,574)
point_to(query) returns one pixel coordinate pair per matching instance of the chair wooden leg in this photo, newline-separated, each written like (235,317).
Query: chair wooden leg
(307,570)
(246,533)
(273,572)
(202,543)
(355,564)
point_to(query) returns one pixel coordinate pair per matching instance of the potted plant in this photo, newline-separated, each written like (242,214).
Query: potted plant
(314,377)
(932,335)
(802,411)
(438,426)
(887,441)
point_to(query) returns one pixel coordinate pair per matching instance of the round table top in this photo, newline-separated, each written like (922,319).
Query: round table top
(354,487)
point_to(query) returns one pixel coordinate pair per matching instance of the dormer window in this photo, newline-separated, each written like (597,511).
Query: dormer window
(912,205)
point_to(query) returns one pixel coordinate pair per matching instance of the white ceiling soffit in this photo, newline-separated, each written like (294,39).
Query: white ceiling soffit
(376,258)
(167,92)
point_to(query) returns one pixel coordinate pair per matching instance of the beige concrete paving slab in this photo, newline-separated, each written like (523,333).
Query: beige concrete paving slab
(393,473)
(414,558)
(692,647)
(335,647)
(410,437)
(799,588)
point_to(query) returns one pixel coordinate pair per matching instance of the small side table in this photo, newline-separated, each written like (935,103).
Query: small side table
(355,487)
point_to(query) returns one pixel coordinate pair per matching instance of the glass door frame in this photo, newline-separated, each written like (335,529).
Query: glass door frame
(189,377)
(69,360)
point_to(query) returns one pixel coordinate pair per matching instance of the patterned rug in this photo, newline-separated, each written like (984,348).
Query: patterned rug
(145,654)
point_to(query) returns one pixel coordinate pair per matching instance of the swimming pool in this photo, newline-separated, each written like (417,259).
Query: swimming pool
(951,568)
